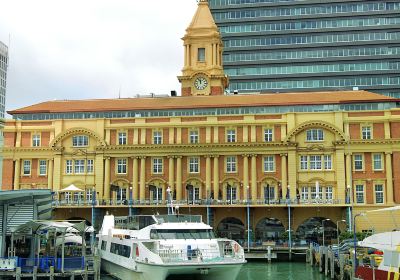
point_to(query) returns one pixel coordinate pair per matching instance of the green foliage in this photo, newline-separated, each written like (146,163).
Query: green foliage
(349,235)
(284,235)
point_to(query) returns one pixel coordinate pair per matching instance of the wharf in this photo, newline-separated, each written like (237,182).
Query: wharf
(276,252)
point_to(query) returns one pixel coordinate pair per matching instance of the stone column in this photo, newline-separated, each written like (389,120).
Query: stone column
(17,173)
(57,170)
(283,174)
(245,175)
(135,179)
(107,179)
(348,170)
(389,178)
(340,176)
(142,191)
(171,172)
(254,177)
(99,176)
(208,177)
(292,174)
(216,177)
(178,178)
(50,174)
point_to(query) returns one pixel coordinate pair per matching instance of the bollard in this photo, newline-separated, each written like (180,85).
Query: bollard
(332,265)
(321,252)
(72,276)
(269,254)
(326,253)
(18,273)
(34,273)
(51,272)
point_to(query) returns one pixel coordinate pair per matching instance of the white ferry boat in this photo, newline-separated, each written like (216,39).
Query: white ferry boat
(158,247)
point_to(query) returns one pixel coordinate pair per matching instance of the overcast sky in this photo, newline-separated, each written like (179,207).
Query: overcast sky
(77,49)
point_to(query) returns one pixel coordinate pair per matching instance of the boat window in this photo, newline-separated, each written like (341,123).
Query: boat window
(181,234)
(120,249)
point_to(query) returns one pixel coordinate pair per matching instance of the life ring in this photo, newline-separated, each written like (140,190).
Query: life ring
(236,247)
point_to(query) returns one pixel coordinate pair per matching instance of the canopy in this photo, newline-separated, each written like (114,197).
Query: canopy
(382,241)
(69,238)
(71,188)
(45,225)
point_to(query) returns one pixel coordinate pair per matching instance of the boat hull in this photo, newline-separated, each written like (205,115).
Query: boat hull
(367,273)
(143,271)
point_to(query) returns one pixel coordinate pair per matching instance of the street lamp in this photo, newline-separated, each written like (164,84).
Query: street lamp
(323,232)
(248,219)
(355,242)
(350,208)
(289,227)
(337,232)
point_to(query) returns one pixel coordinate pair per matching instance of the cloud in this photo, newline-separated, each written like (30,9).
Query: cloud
(92,49)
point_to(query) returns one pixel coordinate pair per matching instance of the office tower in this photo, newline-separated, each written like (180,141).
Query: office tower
(3,78)
(306,45)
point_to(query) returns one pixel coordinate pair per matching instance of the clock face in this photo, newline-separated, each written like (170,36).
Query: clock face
(200,83)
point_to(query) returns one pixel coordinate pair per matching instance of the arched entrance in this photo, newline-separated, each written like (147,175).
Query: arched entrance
(268,229)
(312,230)
(119,191)
(157,190)
(231,191)
(194,191)
(231,228)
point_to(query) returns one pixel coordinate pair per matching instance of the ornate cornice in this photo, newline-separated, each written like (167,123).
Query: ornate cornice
(79,130)
(322,124)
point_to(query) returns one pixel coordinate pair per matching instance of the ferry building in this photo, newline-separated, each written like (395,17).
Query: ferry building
(269,163)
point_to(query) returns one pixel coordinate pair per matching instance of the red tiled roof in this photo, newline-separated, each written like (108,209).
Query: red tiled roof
(223,101)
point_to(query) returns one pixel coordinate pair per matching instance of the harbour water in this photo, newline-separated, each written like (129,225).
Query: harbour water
(275,271)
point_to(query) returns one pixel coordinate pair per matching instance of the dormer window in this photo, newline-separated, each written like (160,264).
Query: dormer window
(201,54)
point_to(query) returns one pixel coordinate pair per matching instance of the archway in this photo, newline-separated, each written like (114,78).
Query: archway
(231,228)
(231,190)
(194,190)
(312,230)
(120,191)
(268,229)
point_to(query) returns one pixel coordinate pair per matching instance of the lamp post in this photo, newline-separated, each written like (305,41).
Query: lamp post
(355,243)
(323,232)
(208,206)
(337,233)
(350,208)
(248,219)
(290,226)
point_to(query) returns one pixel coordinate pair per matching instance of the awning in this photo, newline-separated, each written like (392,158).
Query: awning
(71,188)
(56,225)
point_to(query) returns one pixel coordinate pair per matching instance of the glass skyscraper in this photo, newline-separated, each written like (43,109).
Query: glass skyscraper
(3,77)
(308,45)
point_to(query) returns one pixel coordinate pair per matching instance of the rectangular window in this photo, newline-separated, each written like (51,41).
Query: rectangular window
(157,194)
(90,166)
(157,137)
(329,192)
(269,193)
(359,193)
(315,162)
(327,162)
(231,135)
(379,193)
(358,162)
(194,137)
(68,196)
(27,167)
(80,141)
(201,54)
(193,194)
(122,138)
(304,193)
(230,164)
(194,165)
(121,166)
(366,132)
(268,136)
(231,193)
(269,164)
(377,162)
(42,167)
(89,195)
(157,165)
(36,140)
(303,162)
(315,135)
(68,166)
(313,192)
(79,166)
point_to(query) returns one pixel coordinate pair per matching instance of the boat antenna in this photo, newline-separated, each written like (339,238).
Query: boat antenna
(170,206)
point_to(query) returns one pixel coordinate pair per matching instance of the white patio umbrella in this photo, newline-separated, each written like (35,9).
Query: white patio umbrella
(71,188)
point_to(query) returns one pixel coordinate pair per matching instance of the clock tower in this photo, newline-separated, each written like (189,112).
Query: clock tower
(202,73)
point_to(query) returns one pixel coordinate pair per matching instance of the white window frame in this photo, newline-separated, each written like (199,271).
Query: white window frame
(90,166)
(89,194)
(36,140)
(329,192)
(315,135)
(122,166)
(379,194)
(270,194)
(231,193)
(42,172)
(328,162)
(68,166)
(268,135)
(122,138)
(315,162)
(358,159)
(79,166)
(157,165)
(359,194)
(194,164)
(157,137)
(269,163)
(303,162)
(201,54)
(304,193)
(366,132)
(231,164)
(26,167)
(80,141)
(193,136)
(157,194)
(375,162)
(231,135)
